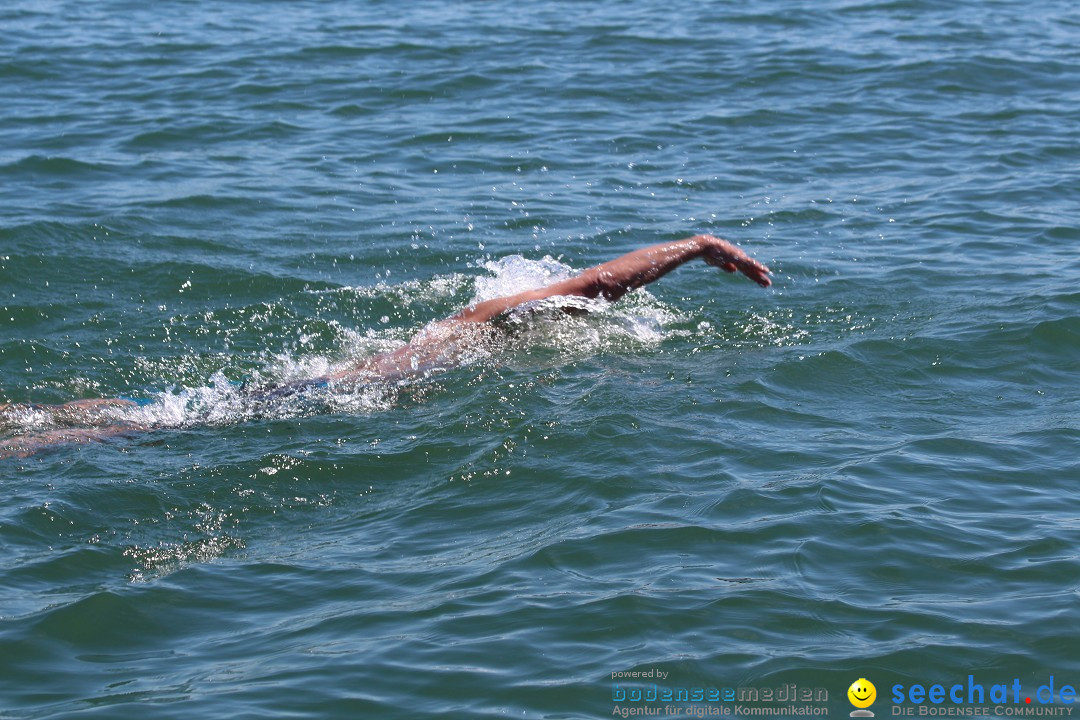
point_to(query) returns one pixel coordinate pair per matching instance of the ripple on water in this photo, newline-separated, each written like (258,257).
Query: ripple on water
(866,469)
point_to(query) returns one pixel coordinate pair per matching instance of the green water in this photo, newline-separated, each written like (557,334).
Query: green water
(867,471)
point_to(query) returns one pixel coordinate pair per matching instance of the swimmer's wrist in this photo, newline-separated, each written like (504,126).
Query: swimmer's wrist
(702,245)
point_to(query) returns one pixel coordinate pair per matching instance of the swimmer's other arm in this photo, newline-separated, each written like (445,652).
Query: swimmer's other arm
(615,278)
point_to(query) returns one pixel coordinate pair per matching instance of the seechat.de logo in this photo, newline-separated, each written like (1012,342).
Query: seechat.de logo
(862,694)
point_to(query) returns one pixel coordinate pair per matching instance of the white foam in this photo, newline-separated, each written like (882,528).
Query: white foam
(514,274)
(638,319)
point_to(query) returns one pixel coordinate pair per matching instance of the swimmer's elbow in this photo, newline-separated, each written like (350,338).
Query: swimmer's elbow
(588,284)
(605,285)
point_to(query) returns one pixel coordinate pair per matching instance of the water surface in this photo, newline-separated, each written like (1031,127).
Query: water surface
(866,471)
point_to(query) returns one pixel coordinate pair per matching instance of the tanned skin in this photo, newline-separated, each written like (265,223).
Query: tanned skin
(435,345)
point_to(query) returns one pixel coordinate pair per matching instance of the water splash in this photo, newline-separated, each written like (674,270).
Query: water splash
(515,273)
(560,329)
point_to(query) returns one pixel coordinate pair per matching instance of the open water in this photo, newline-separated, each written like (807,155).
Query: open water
(868,470)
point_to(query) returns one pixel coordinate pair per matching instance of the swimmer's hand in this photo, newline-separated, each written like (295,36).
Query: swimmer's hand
(724,255)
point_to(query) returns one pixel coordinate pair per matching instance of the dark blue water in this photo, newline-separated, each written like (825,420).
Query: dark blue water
(867,471)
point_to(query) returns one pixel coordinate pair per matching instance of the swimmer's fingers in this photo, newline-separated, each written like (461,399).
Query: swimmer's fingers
(722,254)
(758,272)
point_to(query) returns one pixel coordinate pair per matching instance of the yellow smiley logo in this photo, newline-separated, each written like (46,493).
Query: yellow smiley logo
(862,693)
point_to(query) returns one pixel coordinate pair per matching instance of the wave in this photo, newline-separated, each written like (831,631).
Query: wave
(541,328)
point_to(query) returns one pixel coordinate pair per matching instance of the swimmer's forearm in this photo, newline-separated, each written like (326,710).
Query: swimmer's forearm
(615,278)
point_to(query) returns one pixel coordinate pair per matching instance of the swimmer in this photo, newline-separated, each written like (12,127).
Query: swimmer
(437,345)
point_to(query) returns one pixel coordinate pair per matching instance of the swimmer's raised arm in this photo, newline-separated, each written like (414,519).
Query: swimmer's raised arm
(440,342)
(615,278)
